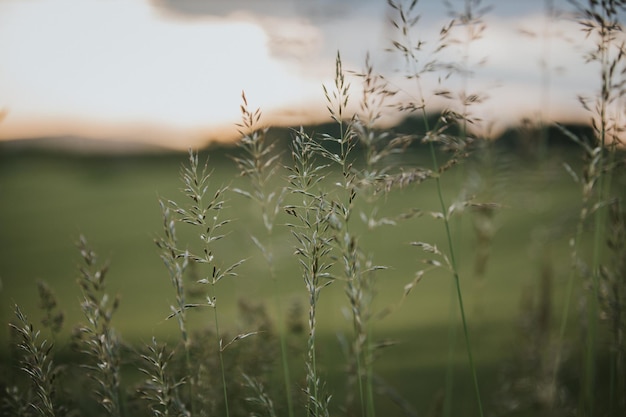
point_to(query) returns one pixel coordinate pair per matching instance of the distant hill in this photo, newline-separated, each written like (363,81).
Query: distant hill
(524,140)
(80,146)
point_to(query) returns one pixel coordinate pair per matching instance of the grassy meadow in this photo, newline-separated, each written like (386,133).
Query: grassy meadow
(113,201)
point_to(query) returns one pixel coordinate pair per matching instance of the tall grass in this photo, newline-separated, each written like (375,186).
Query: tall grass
(97,338)
(161,390)
(259,163)
(358,269)
(330,199)
(600,22)
(38,365)
(469,21)
(203,214)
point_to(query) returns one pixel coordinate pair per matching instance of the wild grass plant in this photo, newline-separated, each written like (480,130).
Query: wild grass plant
(313,247)
(202,213)
(465,27)
(259,164)
(358,267)
(330,199)
(600,22)
(38,365)
(97,338)
(160,389)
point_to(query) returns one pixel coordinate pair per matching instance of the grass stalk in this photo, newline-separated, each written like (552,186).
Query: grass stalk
(258,164)
(98,338)
(220,351)
(37,363)
(160,390)
(177,266)
(601,21)
(358,271)
(313,247)
(471,21)
(457,282)
(452,341)
(283,348)
(203,214)
(337,101)
(590,357)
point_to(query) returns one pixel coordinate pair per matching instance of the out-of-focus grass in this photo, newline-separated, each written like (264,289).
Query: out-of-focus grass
(47,201)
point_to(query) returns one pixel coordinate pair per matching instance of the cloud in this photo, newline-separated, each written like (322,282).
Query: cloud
(122,62)
(178,67)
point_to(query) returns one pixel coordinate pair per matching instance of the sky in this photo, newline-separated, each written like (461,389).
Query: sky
(171,72)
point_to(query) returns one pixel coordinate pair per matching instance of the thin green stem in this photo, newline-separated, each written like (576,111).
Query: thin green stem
(313,403)
(457,282)
(614,361)
(447,405)
(568,296)
(359,373)
(283,344)
(192,383)
(370,373)
(354,274)
(283,352)
(281,331)
(452,325)
(219,347)
(256,166)
(362,369)
(599,219)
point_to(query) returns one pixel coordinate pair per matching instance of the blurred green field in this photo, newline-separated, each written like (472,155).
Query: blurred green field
(47,201)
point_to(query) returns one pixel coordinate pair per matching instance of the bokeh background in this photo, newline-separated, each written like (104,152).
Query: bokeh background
(101,100)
